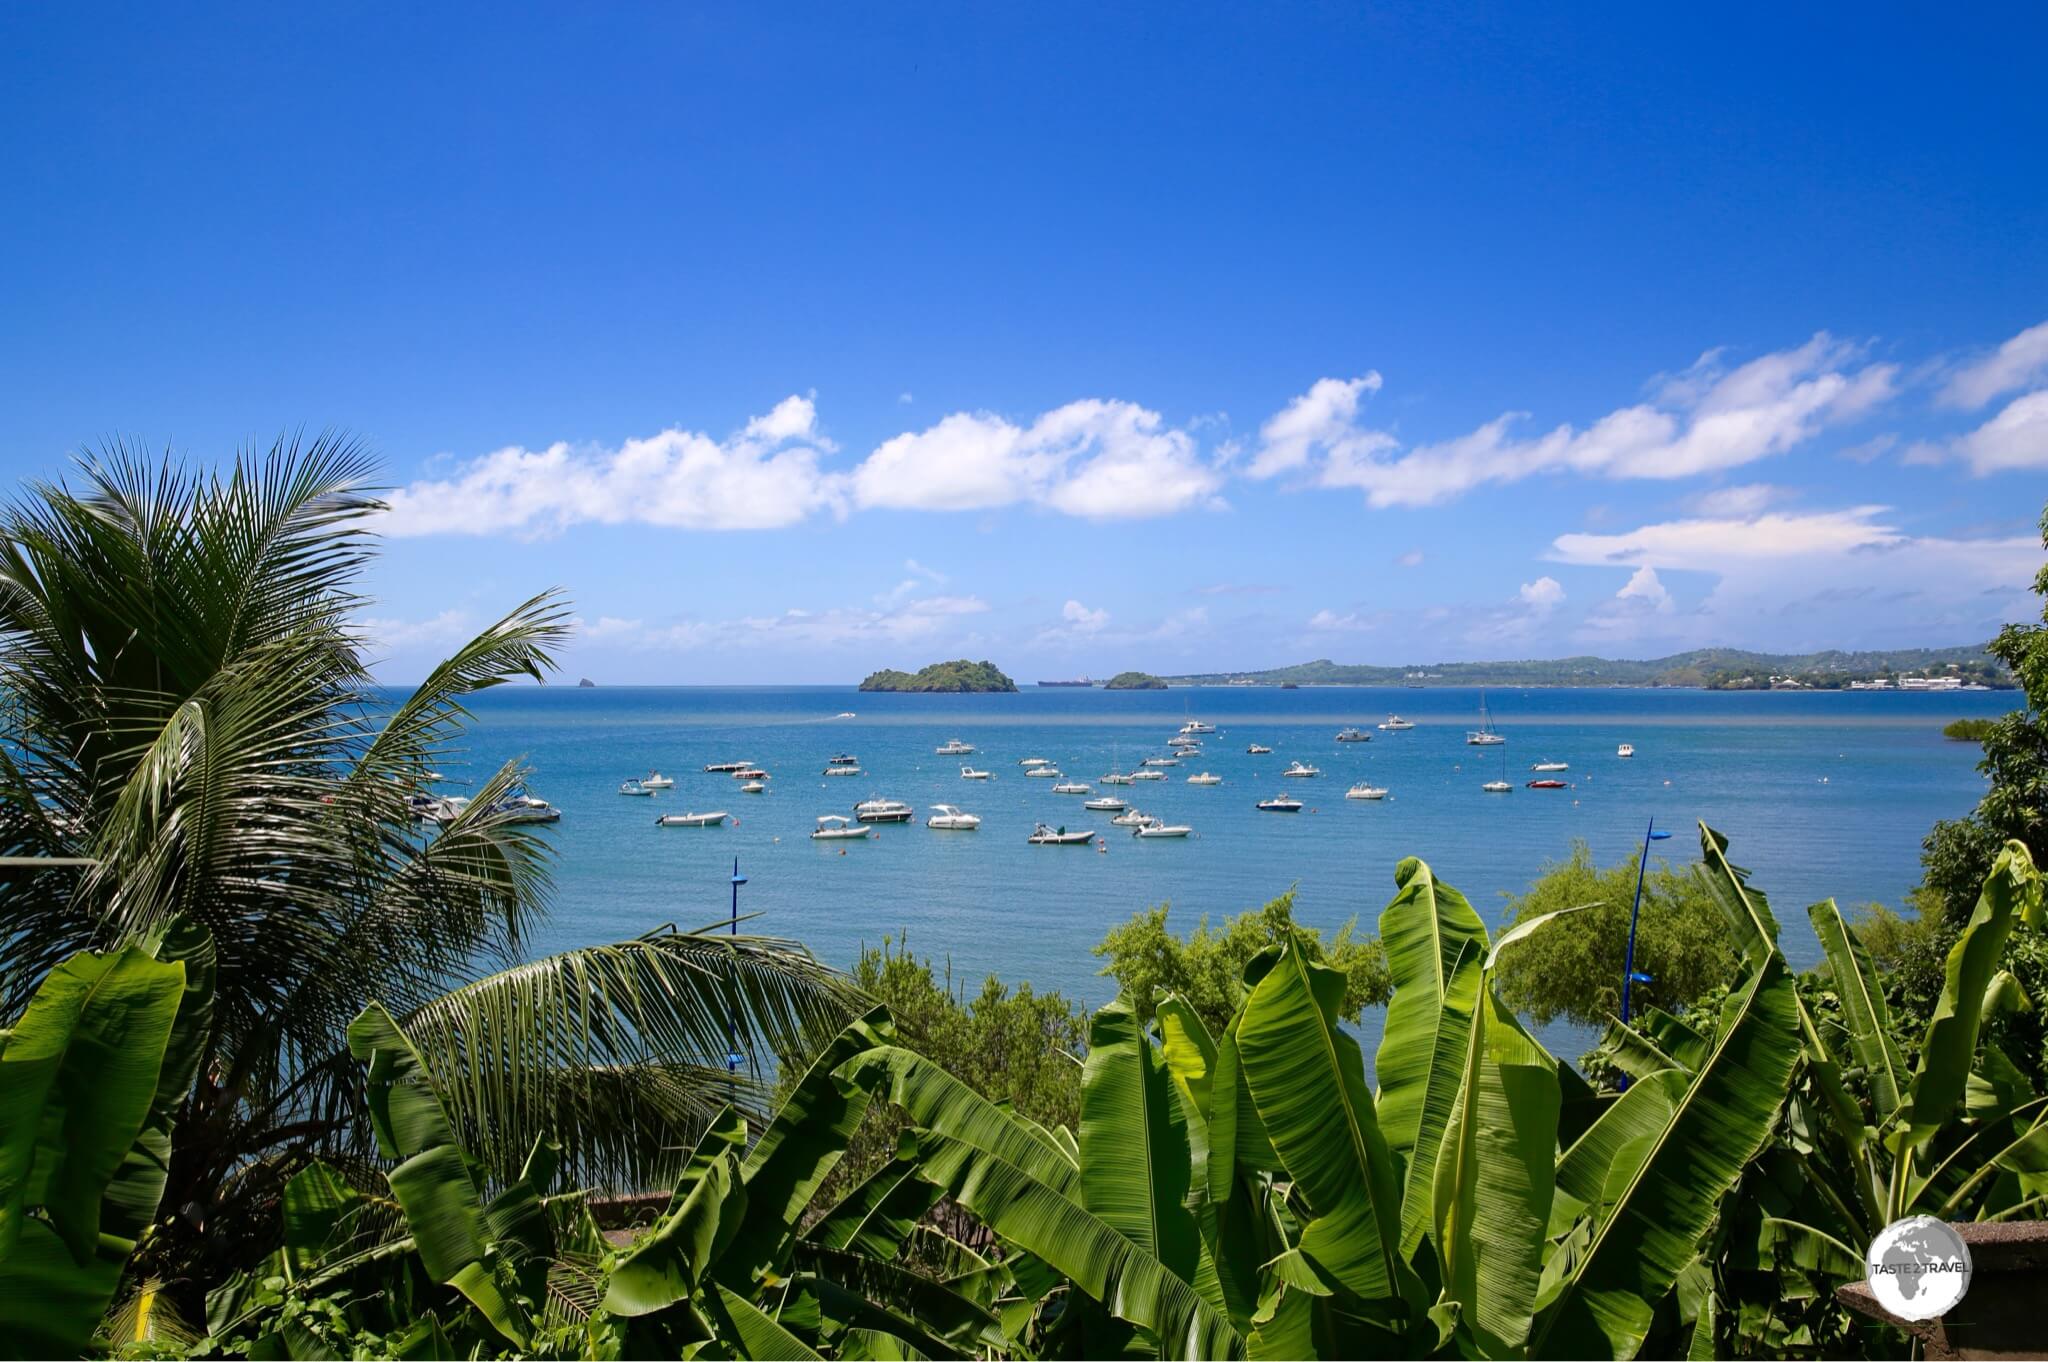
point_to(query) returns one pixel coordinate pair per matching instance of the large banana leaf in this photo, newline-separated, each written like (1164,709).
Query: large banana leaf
(1100,1262)
(1605,1305)
(797,1151)
(1231,1218)
(936,1100)
(432,1180)
(1493,1180)
(876,1217)
(1134,1143)
(1747,910)
(1307,1079)
(1426,930)
(751,1333)
(138,1185)
(671,1262)
(1630,1123)
(1942,1074)
(1864,1015)
(79,1075)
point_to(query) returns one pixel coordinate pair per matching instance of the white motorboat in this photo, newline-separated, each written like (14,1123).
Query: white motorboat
(1284,804)
(721,767)
(1105,804)
(954,748)
(752,787)
(837,827)
(428,809)
(1162,830)
(1118,778)
(633,787)
(1551,766)
(1257,751)
(969,773)
(1132,818)
(1043,772)
(1353,735)
(1029,762)
(1484,735)
(1366,790)
(692,820)
(950,818)
(1496,787)
(1627,749)
(1301,770)
(842,771)
(655,780)
(518,808)
(882,811)
(1072,787)
(843,759)
(1396,724)
(1183,741)
(1045,835)
(1194,726)
(1148,775)
(846,714)
(1205,778)
(1160,761)
(750,773)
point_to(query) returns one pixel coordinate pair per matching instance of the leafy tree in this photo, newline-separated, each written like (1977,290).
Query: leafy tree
(1574,969)
(1958,853)
(1206,969)
(184,704)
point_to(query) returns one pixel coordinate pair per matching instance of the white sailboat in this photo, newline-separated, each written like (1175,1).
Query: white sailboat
(1484,735)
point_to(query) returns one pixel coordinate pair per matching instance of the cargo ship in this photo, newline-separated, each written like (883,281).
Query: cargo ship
(1077,681)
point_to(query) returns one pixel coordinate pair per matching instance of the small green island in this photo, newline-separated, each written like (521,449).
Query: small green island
(1969,730)
(957,677)
(1134,681)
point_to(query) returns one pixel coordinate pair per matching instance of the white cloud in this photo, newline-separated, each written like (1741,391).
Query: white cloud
(2020,362)
(915,621)
(1323,418)
(1703,420)
(1092,458)
(449,629)
(1412,558)
(1542,595)
(905,398)
(1644,586)
(1350,622)
(1818,579)
(1747,499)
(1082,620)
(765,477)
(2015,438)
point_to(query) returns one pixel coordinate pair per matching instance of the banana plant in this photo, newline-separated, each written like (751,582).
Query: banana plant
(91,1078)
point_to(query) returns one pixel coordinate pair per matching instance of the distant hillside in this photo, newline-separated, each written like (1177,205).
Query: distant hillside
(1134,681)
(1706,667)
(943,677)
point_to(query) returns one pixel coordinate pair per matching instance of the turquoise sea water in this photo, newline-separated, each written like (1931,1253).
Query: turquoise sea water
(1821,795)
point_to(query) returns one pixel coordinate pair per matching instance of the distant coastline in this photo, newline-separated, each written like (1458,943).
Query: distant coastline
(1700,669)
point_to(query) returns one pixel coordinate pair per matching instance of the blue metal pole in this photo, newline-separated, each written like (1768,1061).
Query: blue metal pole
(732,1042)
(1629,976)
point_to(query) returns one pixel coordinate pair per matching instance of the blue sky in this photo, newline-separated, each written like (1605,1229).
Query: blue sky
(797,342)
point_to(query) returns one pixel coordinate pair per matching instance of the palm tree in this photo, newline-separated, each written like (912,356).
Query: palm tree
(184,700)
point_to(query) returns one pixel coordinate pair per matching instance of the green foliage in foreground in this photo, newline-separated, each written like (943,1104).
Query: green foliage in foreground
(1134,681)
(1206,969)
(1574,970)
(1228,1192)
(1969,730)
(955,676)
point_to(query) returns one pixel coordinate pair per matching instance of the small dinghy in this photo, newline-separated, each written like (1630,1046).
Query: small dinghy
(752,787)
(837,827)
(1044,835)
(633,787)
(692,820)
(655,780)
(1162,830)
